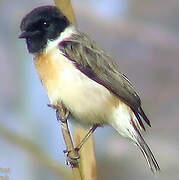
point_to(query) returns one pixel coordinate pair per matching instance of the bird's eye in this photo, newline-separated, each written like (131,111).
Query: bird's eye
(45,24)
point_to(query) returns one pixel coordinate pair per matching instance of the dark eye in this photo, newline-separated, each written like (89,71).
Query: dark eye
(45,24)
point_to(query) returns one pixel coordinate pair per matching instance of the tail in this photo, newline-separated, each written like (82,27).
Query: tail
(128,125)
(154,166)
(140,142)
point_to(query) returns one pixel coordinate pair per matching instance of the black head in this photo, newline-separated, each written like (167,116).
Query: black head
(40,25)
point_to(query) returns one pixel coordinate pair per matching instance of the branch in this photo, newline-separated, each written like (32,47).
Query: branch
(87,154)
(72,156)
(66,8)
(87,157)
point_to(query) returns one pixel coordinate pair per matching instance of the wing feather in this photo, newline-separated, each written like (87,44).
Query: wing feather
(100,67)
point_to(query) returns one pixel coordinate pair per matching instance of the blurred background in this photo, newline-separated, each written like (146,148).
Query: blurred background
(144,37)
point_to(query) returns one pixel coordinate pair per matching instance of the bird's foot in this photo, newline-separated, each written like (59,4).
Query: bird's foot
(62,113)
(72,159)
(63,118)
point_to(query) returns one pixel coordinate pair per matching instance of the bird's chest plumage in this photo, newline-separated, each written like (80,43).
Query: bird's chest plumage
(87,100)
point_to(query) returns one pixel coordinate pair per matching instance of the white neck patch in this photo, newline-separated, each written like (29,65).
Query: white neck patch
(63,35)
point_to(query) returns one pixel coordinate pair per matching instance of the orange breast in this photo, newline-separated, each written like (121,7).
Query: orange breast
(49,65)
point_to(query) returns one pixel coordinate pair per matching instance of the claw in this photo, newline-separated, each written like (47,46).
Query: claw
(52,106)
(61,118)
(71,160)
(65,151)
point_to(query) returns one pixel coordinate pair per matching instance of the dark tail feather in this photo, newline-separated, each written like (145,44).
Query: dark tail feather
(139,120)
(148,154)
(141,112)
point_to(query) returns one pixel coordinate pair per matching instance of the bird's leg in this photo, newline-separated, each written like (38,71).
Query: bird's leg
(92,129)
(62,118)
(62,115)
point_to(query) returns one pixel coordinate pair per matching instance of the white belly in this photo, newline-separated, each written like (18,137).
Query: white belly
(84,97)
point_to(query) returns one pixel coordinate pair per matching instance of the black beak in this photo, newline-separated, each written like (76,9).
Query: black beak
(24,35)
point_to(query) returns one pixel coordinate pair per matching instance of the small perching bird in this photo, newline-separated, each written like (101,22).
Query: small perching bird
(83,77)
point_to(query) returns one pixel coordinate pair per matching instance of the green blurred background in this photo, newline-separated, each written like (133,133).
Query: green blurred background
(144,37)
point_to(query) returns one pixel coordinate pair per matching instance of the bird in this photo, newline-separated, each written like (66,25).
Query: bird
(76,72)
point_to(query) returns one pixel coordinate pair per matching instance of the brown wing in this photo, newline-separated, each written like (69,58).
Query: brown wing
(100,67)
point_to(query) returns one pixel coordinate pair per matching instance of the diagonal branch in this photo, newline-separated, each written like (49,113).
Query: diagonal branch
(72,155)
(86,170)
(66,7)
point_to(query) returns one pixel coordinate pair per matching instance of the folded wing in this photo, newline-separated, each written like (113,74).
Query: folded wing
(100,67)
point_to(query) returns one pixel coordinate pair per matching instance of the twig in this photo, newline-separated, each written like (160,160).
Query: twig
(87,155)
(72,155)
(66,7)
